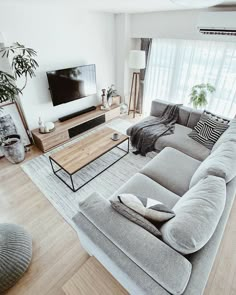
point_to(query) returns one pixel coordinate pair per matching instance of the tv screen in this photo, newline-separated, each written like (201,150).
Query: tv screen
(71,84)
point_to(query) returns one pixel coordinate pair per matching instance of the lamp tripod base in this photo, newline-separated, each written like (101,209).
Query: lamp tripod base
(134,92)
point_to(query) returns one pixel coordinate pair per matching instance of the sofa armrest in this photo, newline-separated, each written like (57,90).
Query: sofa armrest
(167,267)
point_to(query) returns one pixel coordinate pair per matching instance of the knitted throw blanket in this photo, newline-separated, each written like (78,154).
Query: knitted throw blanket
(144,134)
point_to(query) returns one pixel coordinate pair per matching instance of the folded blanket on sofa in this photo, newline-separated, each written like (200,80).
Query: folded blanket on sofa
(144,134)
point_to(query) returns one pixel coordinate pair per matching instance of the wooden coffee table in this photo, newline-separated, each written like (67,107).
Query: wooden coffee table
(78,155)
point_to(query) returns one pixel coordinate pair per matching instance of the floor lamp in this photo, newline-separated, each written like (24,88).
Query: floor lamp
(137,61)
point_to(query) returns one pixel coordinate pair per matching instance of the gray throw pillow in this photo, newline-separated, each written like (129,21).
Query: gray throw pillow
(135,217)
(221,163)
(150,209)
(209,129)
(228,135)
(197,215)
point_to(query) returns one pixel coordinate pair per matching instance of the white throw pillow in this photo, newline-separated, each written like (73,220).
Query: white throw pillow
(150,209)
(222,163)
(197,214)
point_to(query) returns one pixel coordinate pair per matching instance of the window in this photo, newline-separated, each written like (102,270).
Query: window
(176,65)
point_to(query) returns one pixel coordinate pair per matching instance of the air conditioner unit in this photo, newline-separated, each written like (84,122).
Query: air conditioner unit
(217,23)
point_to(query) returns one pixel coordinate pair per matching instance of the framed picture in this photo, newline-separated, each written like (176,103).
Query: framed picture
(11,122)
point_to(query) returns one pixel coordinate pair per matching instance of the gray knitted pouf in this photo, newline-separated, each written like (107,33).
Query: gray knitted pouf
(15,254)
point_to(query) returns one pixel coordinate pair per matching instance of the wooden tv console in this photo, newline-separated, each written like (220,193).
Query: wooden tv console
(72,128)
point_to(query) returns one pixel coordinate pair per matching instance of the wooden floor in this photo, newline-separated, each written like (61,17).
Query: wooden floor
(93,271)
(60,266)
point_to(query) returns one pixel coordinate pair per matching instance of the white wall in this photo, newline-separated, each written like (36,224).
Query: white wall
(171,24)
(124,43)
(166,24)
(1,38)
(4,63)
(64,35)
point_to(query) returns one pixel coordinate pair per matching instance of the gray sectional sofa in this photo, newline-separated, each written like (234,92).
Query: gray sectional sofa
(199,185)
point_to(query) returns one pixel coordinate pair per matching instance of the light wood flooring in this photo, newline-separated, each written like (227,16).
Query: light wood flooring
(60,265)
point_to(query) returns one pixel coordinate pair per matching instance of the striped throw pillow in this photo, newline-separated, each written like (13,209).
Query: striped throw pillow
(209,129)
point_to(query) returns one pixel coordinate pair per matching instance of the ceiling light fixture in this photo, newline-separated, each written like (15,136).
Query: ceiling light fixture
(197,3)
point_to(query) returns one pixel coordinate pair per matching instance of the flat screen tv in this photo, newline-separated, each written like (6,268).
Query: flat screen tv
(70,84)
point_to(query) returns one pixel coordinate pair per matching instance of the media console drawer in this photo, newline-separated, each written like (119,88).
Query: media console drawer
(66,130)
(86,126)
(113,113)
(55,140)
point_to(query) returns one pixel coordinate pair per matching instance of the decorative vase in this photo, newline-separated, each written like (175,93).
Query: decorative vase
(103,97)
(41,125)
(109,101)
(13,148)
(124,108)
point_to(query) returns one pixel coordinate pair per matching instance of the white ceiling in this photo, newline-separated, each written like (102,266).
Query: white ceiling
(113,6)
(138,6)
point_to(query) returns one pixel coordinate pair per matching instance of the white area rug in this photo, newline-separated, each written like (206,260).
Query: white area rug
(66,201)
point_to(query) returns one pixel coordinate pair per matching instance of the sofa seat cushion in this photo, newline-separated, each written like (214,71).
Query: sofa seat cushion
(228,135)
(172,169)
(221,163)
(166,266)
(144,186)
(197,215)
(182,142)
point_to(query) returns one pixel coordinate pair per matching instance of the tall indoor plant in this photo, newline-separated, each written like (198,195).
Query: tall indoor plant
(198,95)
(23,65)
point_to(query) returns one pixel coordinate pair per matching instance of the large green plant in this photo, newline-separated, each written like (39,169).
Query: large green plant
(198,95)
(23,65)
(8,88)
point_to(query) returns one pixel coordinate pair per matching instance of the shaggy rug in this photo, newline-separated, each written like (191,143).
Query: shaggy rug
(62,198)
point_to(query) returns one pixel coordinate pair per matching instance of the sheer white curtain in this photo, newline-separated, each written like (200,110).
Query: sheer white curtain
(175,66)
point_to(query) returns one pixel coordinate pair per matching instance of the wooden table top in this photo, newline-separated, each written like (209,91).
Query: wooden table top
(88,149)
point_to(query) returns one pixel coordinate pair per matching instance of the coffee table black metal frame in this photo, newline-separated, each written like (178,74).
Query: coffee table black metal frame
(72,187)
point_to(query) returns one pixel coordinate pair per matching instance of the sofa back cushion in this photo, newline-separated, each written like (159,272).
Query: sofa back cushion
(184,113)
(221,163)
(158,107)
(228,135)
(194,118)
(197,215)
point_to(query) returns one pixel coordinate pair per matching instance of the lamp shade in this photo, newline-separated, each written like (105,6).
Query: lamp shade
(137,59)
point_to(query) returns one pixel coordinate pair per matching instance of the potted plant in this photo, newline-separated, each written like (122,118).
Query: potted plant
(198,95)
(13,148)
(23,65)
(111,91)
